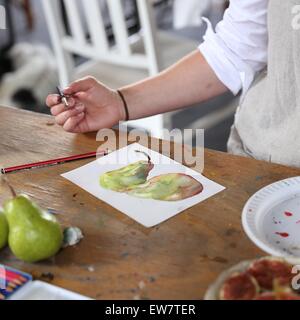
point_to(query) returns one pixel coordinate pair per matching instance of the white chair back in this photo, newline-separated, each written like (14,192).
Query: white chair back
(97,47)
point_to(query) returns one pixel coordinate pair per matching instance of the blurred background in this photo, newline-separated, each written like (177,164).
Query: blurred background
(52,42)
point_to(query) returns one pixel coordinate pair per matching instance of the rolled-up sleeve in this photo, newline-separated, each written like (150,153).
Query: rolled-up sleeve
(237,50)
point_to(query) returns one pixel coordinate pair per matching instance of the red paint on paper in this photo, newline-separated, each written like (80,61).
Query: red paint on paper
(283,234)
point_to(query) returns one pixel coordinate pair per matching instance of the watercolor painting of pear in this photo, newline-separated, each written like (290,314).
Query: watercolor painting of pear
(132,180)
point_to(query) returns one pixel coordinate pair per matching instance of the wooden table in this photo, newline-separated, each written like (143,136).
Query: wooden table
(118,258)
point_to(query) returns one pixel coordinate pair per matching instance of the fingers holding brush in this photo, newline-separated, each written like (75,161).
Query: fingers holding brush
(63,97)
(62,117)
(59,108)
(72,124)
(53,100)
(60,99)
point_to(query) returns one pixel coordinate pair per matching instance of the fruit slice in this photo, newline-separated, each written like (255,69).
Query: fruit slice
(267,270)
(127,177)
(168,187)
(240,286)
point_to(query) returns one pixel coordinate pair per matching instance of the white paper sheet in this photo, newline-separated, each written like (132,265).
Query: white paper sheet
(147,212)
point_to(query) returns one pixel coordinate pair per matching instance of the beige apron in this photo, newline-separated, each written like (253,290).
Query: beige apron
(267,124)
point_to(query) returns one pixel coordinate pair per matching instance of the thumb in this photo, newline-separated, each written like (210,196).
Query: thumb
(80,85)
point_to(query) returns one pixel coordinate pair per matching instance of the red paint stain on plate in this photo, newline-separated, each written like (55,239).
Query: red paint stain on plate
(282,234)
(298,222)
(288,214)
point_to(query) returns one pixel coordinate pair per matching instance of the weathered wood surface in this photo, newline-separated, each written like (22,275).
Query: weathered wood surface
(118,258)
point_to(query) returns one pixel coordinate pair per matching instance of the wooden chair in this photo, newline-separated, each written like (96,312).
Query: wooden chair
(137,54)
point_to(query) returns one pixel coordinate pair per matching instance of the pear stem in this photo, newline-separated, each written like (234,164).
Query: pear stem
(144,153)
(11,189)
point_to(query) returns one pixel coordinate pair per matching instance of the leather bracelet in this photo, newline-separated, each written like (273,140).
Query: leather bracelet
(125,105)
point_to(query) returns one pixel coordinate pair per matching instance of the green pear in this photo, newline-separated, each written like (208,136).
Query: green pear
(168,187)
(3,230)
(34,234)
(132,175)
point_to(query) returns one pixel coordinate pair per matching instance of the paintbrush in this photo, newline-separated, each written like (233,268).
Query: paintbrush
(64,98)
(52,162)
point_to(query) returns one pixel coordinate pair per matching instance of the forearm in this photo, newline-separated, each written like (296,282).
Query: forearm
(189,81)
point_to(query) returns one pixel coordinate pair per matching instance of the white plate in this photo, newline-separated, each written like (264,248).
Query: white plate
(271,218)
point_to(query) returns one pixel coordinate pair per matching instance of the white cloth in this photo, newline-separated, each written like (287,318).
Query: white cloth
(238,48)
(189,13)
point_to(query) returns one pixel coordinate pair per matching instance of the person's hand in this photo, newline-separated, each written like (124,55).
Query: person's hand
(92,107)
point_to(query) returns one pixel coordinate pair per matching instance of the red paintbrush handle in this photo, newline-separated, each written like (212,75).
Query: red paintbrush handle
(52,162)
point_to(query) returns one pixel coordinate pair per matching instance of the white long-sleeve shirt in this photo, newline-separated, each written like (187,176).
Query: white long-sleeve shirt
(237,50)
